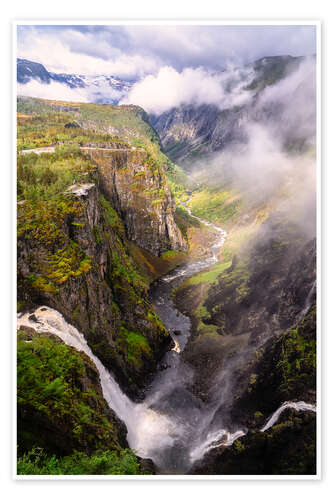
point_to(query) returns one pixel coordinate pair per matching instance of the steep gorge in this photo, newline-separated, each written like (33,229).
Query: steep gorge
(91,254)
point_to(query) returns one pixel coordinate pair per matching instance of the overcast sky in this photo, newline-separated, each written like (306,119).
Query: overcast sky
(137,51)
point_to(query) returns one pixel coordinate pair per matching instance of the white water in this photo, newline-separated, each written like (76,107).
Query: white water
(308,303)
(149,432)
(295,405)
(172,426)
(199,265)
(215,440)
(147,429)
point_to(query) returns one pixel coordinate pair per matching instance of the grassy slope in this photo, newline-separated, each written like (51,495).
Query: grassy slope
(42,123)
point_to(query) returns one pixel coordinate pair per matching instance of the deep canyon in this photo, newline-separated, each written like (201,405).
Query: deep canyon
(167,314)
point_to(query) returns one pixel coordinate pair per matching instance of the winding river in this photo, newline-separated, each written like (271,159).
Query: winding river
(171,426)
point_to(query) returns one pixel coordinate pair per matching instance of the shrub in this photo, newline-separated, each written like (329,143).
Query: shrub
(37,462)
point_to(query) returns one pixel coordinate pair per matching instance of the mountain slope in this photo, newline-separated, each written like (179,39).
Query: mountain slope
(281,97)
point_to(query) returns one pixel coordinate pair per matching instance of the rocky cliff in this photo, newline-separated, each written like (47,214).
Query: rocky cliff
(289,448)
(73,255)
(137,189)
(253,346)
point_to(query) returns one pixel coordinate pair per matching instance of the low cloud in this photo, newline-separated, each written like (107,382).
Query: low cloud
(196,86)
(292,102)
(276,162)
(54,91)
(61,92)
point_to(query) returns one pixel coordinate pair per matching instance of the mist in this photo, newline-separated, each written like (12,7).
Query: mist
(275,162)
(61,92)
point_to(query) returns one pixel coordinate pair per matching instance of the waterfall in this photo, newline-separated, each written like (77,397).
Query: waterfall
(171,426)
(150,433)
(147,429)
(215,440)
(295,405)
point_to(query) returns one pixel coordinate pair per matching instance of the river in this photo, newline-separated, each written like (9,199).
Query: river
(171,426)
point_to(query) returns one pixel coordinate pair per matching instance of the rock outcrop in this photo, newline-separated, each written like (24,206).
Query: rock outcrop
(260,320)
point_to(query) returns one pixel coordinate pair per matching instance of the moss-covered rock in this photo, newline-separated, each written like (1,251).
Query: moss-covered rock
(73,255)
(284,369)
(60,404)
(288,448)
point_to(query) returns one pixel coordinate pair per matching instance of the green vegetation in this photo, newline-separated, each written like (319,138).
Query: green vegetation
(237,241)
(47,176)
(111,216)
(297,363)
(215,205)
(60,258)
(42,123)
(184,221)
(134,345)
(178,182)
(157,202)
(37,462)
(155,320)
(171,254)
(208,276)
(288,448)
(45,211)
(58,388)
(284,369)
(123,272)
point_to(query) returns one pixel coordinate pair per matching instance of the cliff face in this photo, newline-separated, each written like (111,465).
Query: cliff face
(260,351)
(191,132)
(284,369)
(73,255)
(266,290)
(138,191)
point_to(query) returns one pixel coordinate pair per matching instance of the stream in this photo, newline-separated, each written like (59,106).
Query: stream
(171,426)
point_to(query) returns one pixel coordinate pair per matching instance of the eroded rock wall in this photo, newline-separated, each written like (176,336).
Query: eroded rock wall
(138,191)
(78,263)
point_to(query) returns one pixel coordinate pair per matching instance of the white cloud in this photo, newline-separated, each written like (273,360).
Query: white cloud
(215,46)
(170,88)
(60,91)
(60,54)
(135,51)
(294,101)
(54,91)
